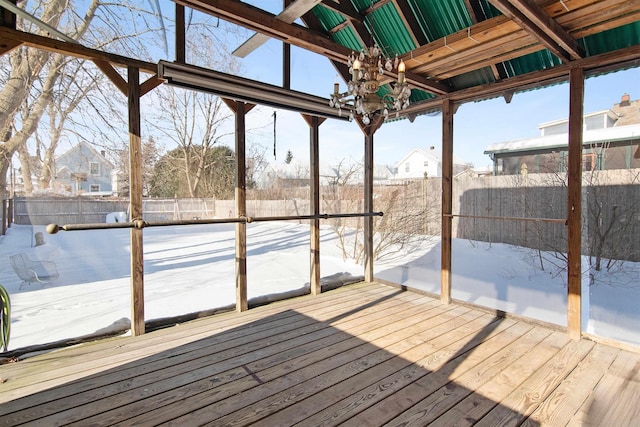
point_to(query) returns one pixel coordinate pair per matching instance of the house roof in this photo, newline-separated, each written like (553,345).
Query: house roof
(595,136)
(462,50)
(608,112)
(431,154)
(87,146)
(420,152)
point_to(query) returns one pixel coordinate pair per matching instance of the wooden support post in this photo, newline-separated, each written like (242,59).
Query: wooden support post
(241,109)
(180,34)
(314,123)
(574,204)
(5,219)
(10,212)
(241,210)
(135,203)
(286,56)
(368,206)
(447,199)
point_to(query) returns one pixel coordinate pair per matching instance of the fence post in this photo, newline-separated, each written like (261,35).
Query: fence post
(4,216)
(10,213)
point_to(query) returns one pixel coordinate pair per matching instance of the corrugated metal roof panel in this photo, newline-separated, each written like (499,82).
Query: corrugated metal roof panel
(389,31)
(535,61)
(474,78)
(327,17)
(330,19)
(617,38)
(440,18)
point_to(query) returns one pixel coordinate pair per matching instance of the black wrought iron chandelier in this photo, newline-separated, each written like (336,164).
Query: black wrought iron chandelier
(361,97)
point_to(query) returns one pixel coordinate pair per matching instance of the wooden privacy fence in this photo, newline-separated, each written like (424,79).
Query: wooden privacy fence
(522,211)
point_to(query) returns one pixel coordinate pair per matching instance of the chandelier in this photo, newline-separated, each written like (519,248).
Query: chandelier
(361,96)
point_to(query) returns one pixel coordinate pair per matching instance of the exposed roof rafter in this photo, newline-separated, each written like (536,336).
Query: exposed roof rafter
(258,20)
(536,21)
(345,9)
(410,22)
(293,11)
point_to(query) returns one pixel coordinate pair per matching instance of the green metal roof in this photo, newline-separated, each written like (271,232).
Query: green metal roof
(438,21)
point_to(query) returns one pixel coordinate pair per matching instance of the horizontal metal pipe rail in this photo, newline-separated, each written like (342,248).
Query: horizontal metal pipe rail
(139,223)
(509,218)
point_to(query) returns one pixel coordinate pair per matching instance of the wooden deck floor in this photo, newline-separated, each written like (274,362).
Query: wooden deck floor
(362,355)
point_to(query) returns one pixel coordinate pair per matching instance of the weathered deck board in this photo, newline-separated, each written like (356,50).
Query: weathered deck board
(362,355)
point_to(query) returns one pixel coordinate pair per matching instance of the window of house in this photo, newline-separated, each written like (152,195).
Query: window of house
(406,167)
(95,168)
(94,188)
(426,163)
(588,162)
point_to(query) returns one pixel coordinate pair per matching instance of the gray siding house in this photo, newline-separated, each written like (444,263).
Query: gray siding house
(83,169)
(611,140)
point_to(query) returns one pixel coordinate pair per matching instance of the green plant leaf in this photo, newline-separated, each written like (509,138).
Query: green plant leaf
(5,318)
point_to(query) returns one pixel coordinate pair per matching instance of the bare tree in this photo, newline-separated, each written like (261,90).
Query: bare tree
(609,208)
(150,155)
(41,85)
(404,214)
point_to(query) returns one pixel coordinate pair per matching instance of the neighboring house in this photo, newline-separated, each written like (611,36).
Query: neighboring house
(420,163)
(284,175)
(611,140)
(83,169)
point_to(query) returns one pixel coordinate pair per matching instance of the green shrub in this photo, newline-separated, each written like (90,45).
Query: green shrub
(5,318)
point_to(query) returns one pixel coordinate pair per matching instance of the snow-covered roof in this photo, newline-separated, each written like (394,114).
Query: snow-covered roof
(608,112)
(432,154)
(612,134)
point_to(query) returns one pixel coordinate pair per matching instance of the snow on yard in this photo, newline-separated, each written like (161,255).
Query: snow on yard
(191,268)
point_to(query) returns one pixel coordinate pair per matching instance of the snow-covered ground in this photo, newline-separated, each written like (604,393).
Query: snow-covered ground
(191,268)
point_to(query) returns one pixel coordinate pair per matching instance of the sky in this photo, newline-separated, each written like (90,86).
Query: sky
(476,125)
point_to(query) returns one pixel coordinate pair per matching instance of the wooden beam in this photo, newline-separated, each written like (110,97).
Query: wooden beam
(345,9)
(286,58)
(611,61)
(448,110)
(409,19)
(180,34)
(542,20)
(241,208)
(135,203)
(536,21)
(266,23)
(113,75)
(150,84)
(290,13)
(375,6)
(8,35)
(258,20)
(352,17)
(574,204)
(8,46)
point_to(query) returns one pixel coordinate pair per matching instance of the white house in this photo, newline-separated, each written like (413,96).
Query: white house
(420,163)
(83,170)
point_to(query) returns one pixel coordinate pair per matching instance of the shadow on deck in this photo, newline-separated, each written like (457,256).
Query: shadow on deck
(360,355)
